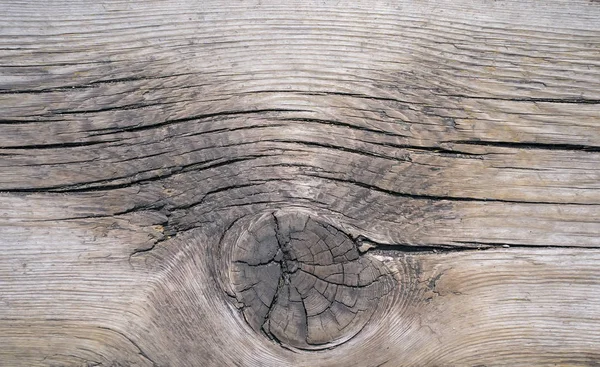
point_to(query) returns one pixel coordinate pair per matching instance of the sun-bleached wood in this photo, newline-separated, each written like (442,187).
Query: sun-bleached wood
(456,144)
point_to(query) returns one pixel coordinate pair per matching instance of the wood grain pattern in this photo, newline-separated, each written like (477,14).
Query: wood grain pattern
(457,143)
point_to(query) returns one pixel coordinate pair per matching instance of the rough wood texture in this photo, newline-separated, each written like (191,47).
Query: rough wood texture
(453,146)
(303,283)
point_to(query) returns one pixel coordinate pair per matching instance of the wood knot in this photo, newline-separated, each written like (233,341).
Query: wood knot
(303,283)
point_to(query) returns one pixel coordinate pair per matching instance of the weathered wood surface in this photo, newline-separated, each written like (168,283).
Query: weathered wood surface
(456,142)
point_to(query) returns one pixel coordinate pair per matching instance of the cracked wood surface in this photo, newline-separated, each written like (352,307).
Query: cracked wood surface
(457,143)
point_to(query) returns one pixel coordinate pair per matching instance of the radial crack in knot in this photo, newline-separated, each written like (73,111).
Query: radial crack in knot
(304,283)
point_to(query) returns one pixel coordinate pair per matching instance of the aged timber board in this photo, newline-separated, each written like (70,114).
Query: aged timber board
(300,183)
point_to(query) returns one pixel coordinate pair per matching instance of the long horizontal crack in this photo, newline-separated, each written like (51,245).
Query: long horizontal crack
(433,149)
(23,121)
(92,84)
(60,145)
(197,117)
(531,145)
(131,106)
(574,100)
(399,248)
(491,245)
(433,197)
(105,185)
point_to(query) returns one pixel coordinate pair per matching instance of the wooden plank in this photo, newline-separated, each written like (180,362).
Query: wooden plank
(451,149)
(529,306)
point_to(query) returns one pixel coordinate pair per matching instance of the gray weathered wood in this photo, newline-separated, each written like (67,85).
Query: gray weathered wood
(456,144)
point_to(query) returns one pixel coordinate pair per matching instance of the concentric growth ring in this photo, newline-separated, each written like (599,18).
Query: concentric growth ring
(303,282)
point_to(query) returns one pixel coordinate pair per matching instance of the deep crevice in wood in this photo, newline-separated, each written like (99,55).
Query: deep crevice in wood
(531,145)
